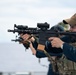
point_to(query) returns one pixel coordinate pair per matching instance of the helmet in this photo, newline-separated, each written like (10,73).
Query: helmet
(57,28)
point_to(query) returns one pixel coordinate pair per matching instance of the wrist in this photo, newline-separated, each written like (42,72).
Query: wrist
(32,39)
(62,45)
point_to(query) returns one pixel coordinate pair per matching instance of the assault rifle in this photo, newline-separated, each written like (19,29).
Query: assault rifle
(42,31)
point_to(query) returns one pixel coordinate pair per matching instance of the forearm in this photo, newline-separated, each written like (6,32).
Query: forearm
(32,49)
(33,46)
(69,51)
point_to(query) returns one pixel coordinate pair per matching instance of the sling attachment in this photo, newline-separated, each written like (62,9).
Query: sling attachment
(53,62)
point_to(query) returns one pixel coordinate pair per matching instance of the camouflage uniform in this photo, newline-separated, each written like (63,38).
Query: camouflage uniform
(66,66)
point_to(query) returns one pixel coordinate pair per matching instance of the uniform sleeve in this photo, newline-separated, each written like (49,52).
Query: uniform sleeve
(69,51)
(39,54)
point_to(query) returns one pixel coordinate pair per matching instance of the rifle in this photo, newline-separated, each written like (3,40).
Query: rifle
(42,31)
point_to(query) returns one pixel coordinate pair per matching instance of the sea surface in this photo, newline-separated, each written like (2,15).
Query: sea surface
(15,58)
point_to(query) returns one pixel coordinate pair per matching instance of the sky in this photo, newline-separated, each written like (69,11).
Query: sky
(31,12)
(27,12)
(14,58)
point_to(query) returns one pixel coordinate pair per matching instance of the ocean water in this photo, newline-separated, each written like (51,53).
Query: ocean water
(14,58)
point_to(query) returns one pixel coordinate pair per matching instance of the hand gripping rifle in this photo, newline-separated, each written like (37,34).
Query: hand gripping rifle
(42,31)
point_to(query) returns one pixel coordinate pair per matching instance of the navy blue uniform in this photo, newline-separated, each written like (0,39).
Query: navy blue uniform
(68,50)
(51,51)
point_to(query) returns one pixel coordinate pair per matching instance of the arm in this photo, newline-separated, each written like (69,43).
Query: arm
(33,46)
(68,50)
(37,53)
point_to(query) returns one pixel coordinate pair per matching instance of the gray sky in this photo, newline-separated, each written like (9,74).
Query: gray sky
(31,12)
(27,12)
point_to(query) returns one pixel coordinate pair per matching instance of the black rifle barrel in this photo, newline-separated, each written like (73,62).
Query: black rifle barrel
(37,32)
(63,33)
